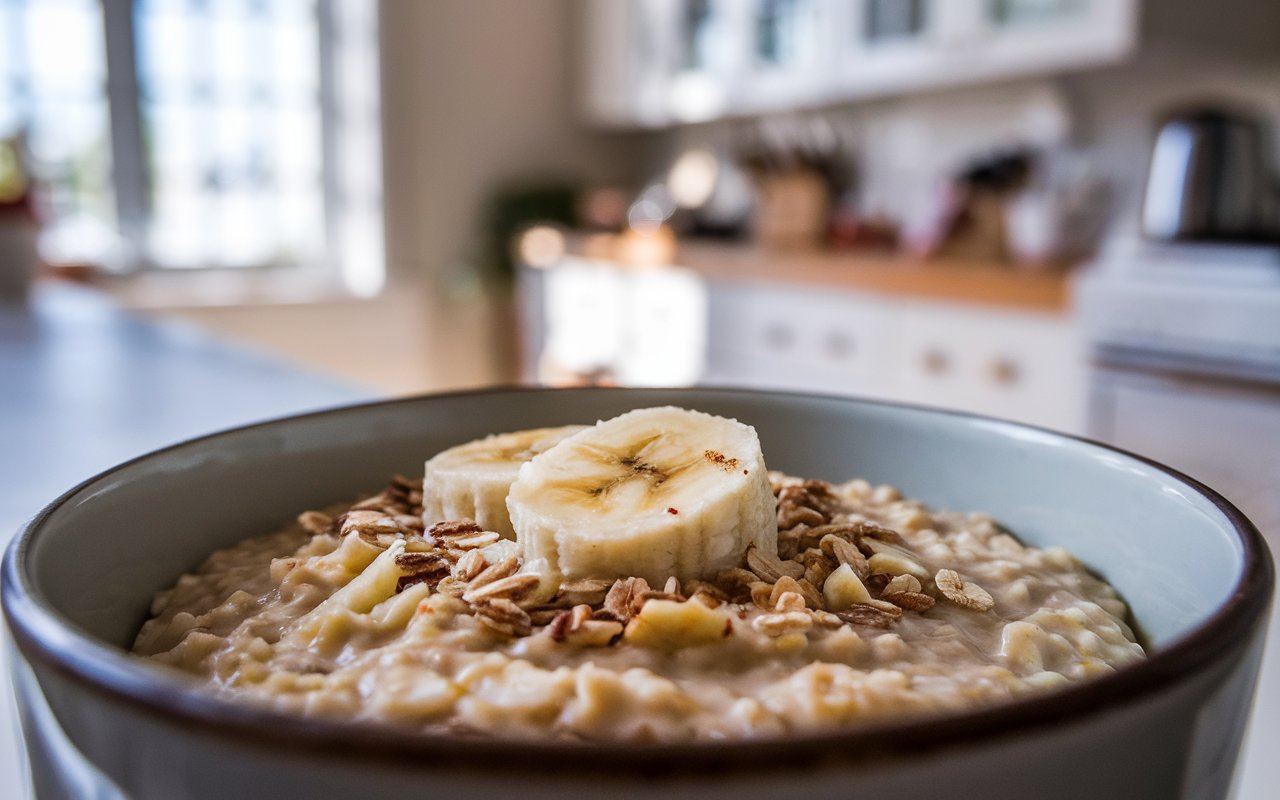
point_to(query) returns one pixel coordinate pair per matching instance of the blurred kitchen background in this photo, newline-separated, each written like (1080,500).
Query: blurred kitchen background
(1065,212)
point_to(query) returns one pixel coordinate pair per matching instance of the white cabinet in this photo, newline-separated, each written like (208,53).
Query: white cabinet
(659,62)
(884,46)
(772,335)
(1024,366)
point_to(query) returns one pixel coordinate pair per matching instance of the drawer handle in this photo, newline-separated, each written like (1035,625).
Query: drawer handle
(838,345)
(1005,371)
(779,337)
(935,362)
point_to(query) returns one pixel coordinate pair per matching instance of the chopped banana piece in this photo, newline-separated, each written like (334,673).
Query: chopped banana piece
(843,590)
(667,624)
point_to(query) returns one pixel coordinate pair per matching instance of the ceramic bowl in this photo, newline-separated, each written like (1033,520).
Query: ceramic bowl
(78,579)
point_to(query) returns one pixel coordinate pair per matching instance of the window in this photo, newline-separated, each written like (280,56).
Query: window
(181,134)
(893,19)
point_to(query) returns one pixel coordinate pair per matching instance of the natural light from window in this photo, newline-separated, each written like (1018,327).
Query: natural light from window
(194,134)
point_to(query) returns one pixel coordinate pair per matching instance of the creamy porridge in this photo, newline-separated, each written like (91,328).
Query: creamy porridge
(847,604)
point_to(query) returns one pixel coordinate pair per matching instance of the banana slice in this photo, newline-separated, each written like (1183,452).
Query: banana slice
(652,493)
(471,481)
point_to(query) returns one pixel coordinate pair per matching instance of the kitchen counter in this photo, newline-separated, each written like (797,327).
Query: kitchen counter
(85,386)
(972,283)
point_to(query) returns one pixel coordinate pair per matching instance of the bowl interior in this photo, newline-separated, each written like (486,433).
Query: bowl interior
(99,556)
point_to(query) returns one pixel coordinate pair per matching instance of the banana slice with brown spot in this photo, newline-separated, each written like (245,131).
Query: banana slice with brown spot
(653,493)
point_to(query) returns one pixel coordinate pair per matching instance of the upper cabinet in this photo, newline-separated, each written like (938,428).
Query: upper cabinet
(651,63)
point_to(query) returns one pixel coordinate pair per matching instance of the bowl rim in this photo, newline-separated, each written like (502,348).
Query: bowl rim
(45,638)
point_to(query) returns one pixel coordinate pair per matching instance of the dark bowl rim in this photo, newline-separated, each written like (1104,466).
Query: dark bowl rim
(44,637)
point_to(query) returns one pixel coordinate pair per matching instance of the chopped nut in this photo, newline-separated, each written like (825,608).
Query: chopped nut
(845,552)
(783,623)
(871,616)
(735,582)
(812,596)
(902,583)
(895,563)
(789,601)
(595,633)
(912,601)
(868,530)
(672,586)
(826,619)
(578,615)
(620,599)
(588,590)
(640,599)
(559,625)
(791,516)
(762,594)
(315,522)
(961,592)
(769,567)
(578,628)
(695,588)
(784,585)
(708,598)
(817,574)
(788,545)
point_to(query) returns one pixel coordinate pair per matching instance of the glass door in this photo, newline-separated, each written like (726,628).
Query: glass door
(785,63)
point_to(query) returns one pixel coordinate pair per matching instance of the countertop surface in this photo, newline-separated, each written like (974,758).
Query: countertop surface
(1046,290)
(84,386)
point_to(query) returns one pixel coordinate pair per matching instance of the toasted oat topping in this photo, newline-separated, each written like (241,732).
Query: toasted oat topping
(965,594)
(780,593)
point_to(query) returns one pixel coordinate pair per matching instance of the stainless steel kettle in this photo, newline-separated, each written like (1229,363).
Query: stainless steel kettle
(1210,180)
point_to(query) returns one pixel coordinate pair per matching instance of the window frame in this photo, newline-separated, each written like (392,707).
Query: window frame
(132,188)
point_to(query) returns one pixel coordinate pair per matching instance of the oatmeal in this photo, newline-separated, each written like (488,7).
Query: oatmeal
(849,605)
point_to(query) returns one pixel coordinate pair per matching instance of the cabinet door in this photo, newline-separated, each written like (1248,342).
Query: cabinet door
(786,59)
(1030,35)
(1022,366)
(885,46)
(656,62)
(881,46)
(809,339)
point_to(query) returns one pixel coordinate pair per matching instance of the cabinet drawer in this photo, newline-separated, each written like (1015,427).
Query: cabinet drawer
(801,337)
(1028,367)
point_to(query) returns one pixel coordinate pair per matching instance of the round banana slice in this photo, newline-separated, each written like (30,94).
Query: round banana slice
(652,493)
(471,481)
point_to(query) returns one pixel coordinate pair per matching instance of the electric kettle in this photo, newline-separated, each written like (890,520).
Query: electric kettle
(1211,180)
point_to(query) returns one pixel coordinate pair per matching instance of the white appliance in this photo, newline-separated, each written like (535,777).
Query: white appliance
(1185,349)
